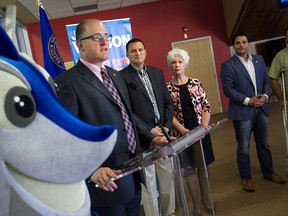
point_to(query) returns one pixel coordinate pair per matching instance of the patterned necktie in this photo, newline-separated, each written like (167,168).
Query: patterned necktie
(108,83)
(147,83)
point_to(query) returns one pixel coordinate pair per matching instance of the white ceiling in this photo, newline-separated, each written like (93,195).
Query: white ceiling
(65,8)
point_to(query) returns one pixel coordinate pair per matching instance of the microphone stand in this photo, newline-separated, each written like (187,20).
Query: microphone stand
(176,167)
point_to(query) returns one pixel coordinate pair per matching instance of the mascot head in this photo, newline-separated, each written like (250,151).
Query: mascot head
(45,152)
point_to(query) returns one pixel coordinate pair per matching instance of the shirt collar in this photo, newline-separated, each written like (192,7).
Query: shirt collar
(92,67)
(242,59)
(139,71)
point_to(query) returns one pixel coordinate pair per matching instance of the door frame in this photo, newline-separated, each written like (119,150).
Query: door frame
(173,44)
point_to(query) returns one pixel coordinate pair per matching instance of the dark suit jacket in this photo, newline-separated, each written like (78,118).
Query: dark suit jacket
(237,85)
(140,101)
(86,97)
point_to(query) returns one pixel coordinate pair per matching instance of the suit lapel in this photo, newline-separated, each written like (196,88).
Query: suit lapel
(256,68)
(118,82)
(255,64)
(93,80)
(241,68)
(135,77)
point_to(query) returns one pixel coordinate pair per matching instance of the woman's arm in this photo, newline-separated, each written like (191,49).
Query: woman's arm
(205,119)
(179,127)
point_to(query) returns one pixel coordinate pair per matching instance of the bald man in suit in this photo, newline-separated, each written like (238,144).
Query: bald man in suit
(97,94)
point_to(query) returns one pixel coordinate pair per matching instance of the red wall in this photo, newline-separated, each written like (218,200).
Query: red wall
(158,24)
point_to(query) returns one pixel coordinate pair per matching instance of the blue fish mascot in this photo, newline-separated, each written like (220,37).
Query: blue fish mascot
(45,152)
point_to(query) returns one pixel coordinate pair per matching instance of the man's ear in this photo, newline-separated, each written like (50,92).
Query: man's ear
(79,44)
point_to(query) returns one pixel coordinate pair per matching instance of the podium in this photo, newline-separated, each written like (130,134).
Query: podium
(171,151)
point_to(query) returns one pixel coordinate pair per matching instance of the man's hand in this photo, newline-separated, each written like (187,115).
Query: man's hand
(161,141)
(258,100)
(276,88)
(282,103)
(104,177)
(158,132)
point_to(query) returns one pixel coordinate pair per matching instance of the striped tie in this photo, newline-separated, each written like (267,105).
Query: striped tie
(108,83)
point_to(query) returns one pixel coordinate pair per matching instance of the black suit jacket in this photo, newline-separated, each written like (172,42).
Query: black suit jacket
(85,96)
(140,100)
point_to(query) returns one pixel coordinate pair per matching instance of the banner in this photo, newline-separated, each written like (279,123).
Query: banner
(121,34)
(53,62)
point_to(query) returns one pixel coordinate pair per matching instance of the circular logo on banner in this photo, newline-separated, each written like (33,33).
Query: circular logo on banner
(54,52)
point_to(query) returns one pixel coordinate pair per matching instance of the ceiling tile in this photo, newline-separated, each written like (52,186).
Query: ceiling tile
(64,8)
(77,3)
(62,13)
(107,5)
(85,12)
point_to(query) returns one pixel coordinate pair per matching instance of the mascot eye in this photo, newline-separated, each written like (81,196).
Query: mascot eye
(23,106)
(17,104)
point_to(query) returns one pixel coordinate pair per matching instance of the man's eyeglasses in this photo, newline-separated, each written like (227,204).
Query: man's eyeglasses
(98,37)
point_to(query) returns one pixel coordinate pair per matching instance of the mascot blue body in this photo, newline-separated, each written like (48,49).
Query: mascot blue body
(45,152)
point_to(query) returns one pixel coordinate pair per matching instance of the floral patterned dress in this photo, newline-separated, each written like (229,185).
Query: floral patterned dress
(189,101)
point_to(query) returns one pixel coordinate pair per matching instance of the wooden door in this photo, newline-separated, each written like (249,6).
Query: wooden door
(202,67)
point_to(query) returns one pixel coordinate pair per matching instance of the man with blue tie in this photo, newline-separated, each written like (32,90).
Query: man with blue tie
(245,82)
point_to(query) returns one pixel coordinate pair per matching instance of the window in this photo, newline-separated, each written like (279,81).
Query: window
(22,39)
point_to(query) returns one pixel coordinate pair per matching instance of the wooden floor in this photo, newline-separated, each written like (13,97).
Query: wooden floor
(269,199)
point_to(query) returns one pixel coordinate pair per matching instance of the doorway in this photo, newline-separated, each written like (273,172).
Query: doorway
(202,67)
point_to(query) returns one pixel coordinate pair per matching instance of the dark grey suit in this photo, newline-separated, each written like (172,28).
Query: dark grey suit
(143,108)
(140,101)
(85,96)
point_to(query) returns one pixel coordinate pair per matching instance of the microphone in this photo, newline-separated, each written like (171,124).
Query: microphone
(135,87)
(163,130)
